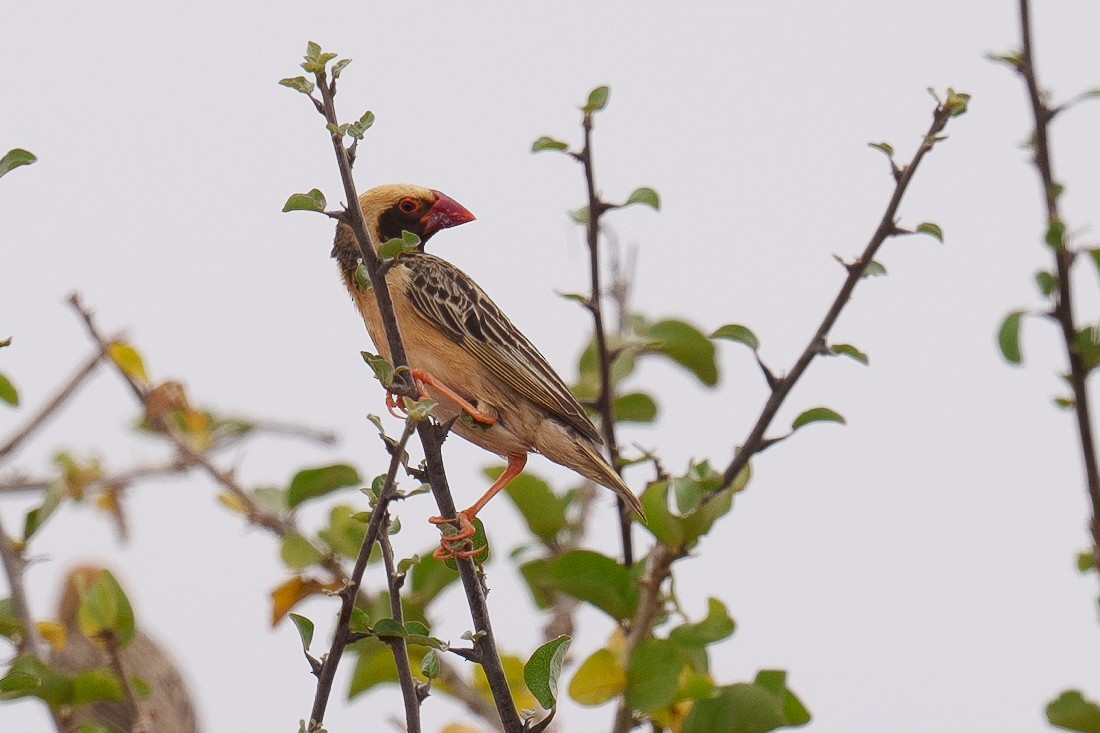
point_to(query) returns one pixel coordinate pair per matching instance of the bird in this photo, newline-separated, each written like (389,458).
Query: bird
(488,380)
(168,708)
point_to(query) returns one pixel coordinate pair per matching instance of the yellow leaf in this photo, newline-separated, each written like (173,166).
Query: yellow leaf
(294,591)
(233,502)
(128,359)
(513,672)
(459,728)
(599,679)
(54,633)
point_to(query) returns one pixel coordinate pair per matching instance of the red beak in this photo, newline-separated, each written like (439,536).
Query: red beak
(445,212)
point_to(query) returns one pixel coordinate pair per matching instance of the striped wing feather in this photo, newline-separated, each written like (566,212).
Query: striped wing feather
(448,298)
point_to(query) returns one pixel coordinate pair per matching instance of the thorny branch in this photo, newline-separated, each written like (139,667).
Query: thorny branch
(1063,257)
(887,227)
(431,436)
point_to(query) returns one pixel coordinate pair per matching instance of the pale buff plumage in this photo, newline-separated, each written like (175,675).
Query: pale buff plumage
(452,330)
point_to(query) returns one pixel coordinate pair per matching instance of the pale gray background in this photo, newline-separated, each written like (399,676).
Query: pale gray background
(913,570)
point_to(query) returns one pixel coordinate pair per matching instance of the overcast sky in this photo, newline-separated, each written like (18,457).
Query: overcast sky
(913,570)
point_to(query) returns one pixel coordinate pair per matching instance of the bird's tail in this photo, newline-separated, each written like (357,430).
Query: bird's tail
(595,467)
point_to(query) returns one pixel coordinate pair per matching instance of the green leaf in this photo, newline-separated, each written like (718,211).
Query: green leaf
(1072,711)
(597,99)
(5,342)
(850,351)
(873,269)
(15,158)
(419,410)
(682,531)
(644,195)
(932,230)
(389,627)
(884,147)
(10,625)
(654,675)
(298,84)
(957,102)
(383,370)
(31,677)
(36,517)
(297,552)
(684,344)
(8,392)
(596,579)
(430,577)
(358,129)
(311,483)
(580,216)
(1087,344)
(737,332)
(743,707)
(338,67)
(1056,234)
(541,508)
(305,630)
(1047,282)
(374,667)
(1013,60)
(315,60)
(362,279)
(429,666)
(405,244)
(817,414)
(312,201)
(634,407)
(599,679)
(359,623)
(1085,562)
(548,143)
(536,573)
(543,669)
(1008,337)
(96,685)
(716,626)
(104,609)
(345,533)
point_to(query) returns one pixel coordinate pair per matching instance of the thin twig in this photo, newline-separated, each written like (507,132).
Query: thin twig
(342,636)
(180,464)
(818,344)
(1063,257)
(658,568)
(398,645)
(47,410)
(605,401)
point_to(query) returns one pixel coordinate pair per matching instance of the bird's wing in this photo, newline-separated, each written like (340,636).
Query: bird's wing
(455,305)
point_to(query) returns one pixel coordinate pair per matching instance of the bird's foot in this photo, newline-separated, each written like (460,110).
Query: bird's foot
(457,544)
(394,406)
(424,378)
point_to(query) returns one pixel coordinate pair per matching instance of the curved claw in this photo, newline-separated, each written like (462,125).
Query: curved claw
(393,406)
(449,543)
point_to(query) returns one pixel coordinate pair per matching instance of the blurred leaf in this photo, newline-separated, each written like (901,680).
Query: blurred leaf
(597,99)
(644,195)
(10,625)
(1072,711)
(580,216)
(305,627)
(345,533)
(634,407)
(739,333)
(8,392)
(817,414)
(53,633)
(298,553)
(596,579)
(375,666)
(682,531)
(311,483)
(96,685)
(1008,338)
(128,360)
(873,269)
(37,517)
(932,230)
(537,575)
(1012,60)
(104,609)
(312,201)
(744,707)
(654,675)
(1047,282)
(289,594)
(1055,237)
(430,577)
(384,627)
(850,351)
(429,666)
(541,508)
(685,345)
(884,147)
(957,102)
(543,669)
(548,143)
(513,673)
(479,540)
(1087,344)
(1085,562)
(599,679)
(716,626)
(234,503)
(31,677)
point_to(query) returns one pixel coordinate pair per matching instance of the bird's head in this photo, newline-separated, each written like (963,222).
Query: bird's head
(400,207)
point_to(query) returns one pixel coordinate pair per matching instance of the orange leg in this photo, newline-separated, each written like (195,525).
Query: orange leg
(421,377)
(466,528)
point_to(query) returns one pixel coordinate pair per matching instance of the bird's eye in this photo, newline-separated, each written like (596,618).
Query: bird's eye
(408,206)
